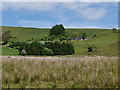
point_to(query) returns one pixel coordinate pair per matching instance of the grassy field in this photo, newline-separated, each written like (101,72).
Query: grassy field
(81,70)
(56,72)
(107,45)
(22,33)
(105,41)
(9,51)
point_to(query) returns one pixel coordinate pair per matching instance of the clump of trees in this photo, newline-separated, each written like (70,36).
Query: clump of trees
(114,30)
(5,42)
(34,48)
(60,48)
(48,48)
(57,30)
(83,36)
(6,36)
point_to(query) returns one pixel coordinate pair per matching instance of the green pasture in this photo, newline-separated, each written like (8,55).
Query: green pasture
(105,41)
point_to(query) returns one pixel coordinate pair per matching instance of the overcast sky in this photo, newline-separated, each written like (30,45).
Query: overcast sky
(70,14)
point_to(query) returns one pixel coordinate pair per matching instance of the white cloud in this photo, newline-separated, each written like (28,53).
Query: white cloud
(33,23)
(44,6)
(81,9)
(94,14)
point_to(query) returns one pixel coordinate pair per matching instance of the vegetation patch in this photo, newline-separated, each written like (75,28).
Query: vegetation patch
(87,72)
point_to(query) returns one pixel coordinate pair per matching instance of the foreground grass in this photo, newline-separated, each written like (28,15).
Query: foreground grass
(87,72)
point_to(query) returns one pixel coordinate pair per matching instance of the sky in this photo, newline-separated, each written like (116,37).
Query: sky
(70,14)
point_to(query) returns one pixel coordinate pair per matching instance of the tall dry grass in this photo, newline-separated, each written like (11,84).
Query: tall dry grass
(87,72)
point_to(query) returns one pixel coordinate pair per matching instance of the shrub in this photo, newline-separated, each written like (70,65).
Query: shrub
(51,38)
(48,52)
(62,38)
(83,36)
(14,44)
(42,39)
(92,48)
(23,46)
(94,36)
(6,36)
(5,42)
(34,48)
(114,30)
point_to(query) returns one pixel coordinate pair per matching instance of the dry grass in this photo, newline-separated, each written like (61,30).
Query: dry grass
(54,72)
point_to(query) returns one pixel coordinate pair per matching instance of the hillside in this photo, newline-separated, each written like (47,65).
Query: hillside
(105,41)
(24,33)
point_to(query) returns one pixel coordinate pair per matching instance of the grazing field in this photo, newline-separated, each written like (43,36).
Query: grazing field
(9,51)
(106,42)
(24,33)
(58,72)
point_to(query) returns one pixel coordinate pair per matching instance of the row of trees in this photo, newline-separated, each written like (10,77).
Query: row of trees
(60,48)
(47,48)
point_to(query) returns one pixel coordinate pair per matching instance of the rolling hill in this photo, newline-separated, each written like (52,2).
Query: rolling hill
(105,41)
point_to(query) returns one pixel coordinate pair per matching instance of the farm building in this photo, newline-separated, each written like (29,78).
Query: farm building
(77,39)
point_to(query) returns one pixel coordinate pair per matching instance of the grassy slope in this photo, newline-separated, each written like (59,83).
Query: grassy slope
(37,33)
(106,44)
(9,51)
(106,41)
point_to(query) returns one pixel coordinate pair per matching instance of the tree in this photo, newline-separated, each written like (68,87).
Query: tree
(57,30)
(6,36)
(83,36)
(94,36)
(114,30)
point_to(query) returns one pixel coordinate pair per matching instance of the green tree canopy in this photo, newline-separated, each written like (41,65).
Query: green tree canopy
(6,36)
(114,30)
(57,30)
(83,36)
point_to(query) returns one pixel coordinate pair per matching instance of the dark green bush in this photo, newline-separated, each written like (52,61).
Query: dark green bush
(51,38)
(14,44)
(83,36)
(92,48)
(57,30)
(5,42)
(59,48)
(23,46)
(48,52)
(34,48)
(49,48)
(62,38)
